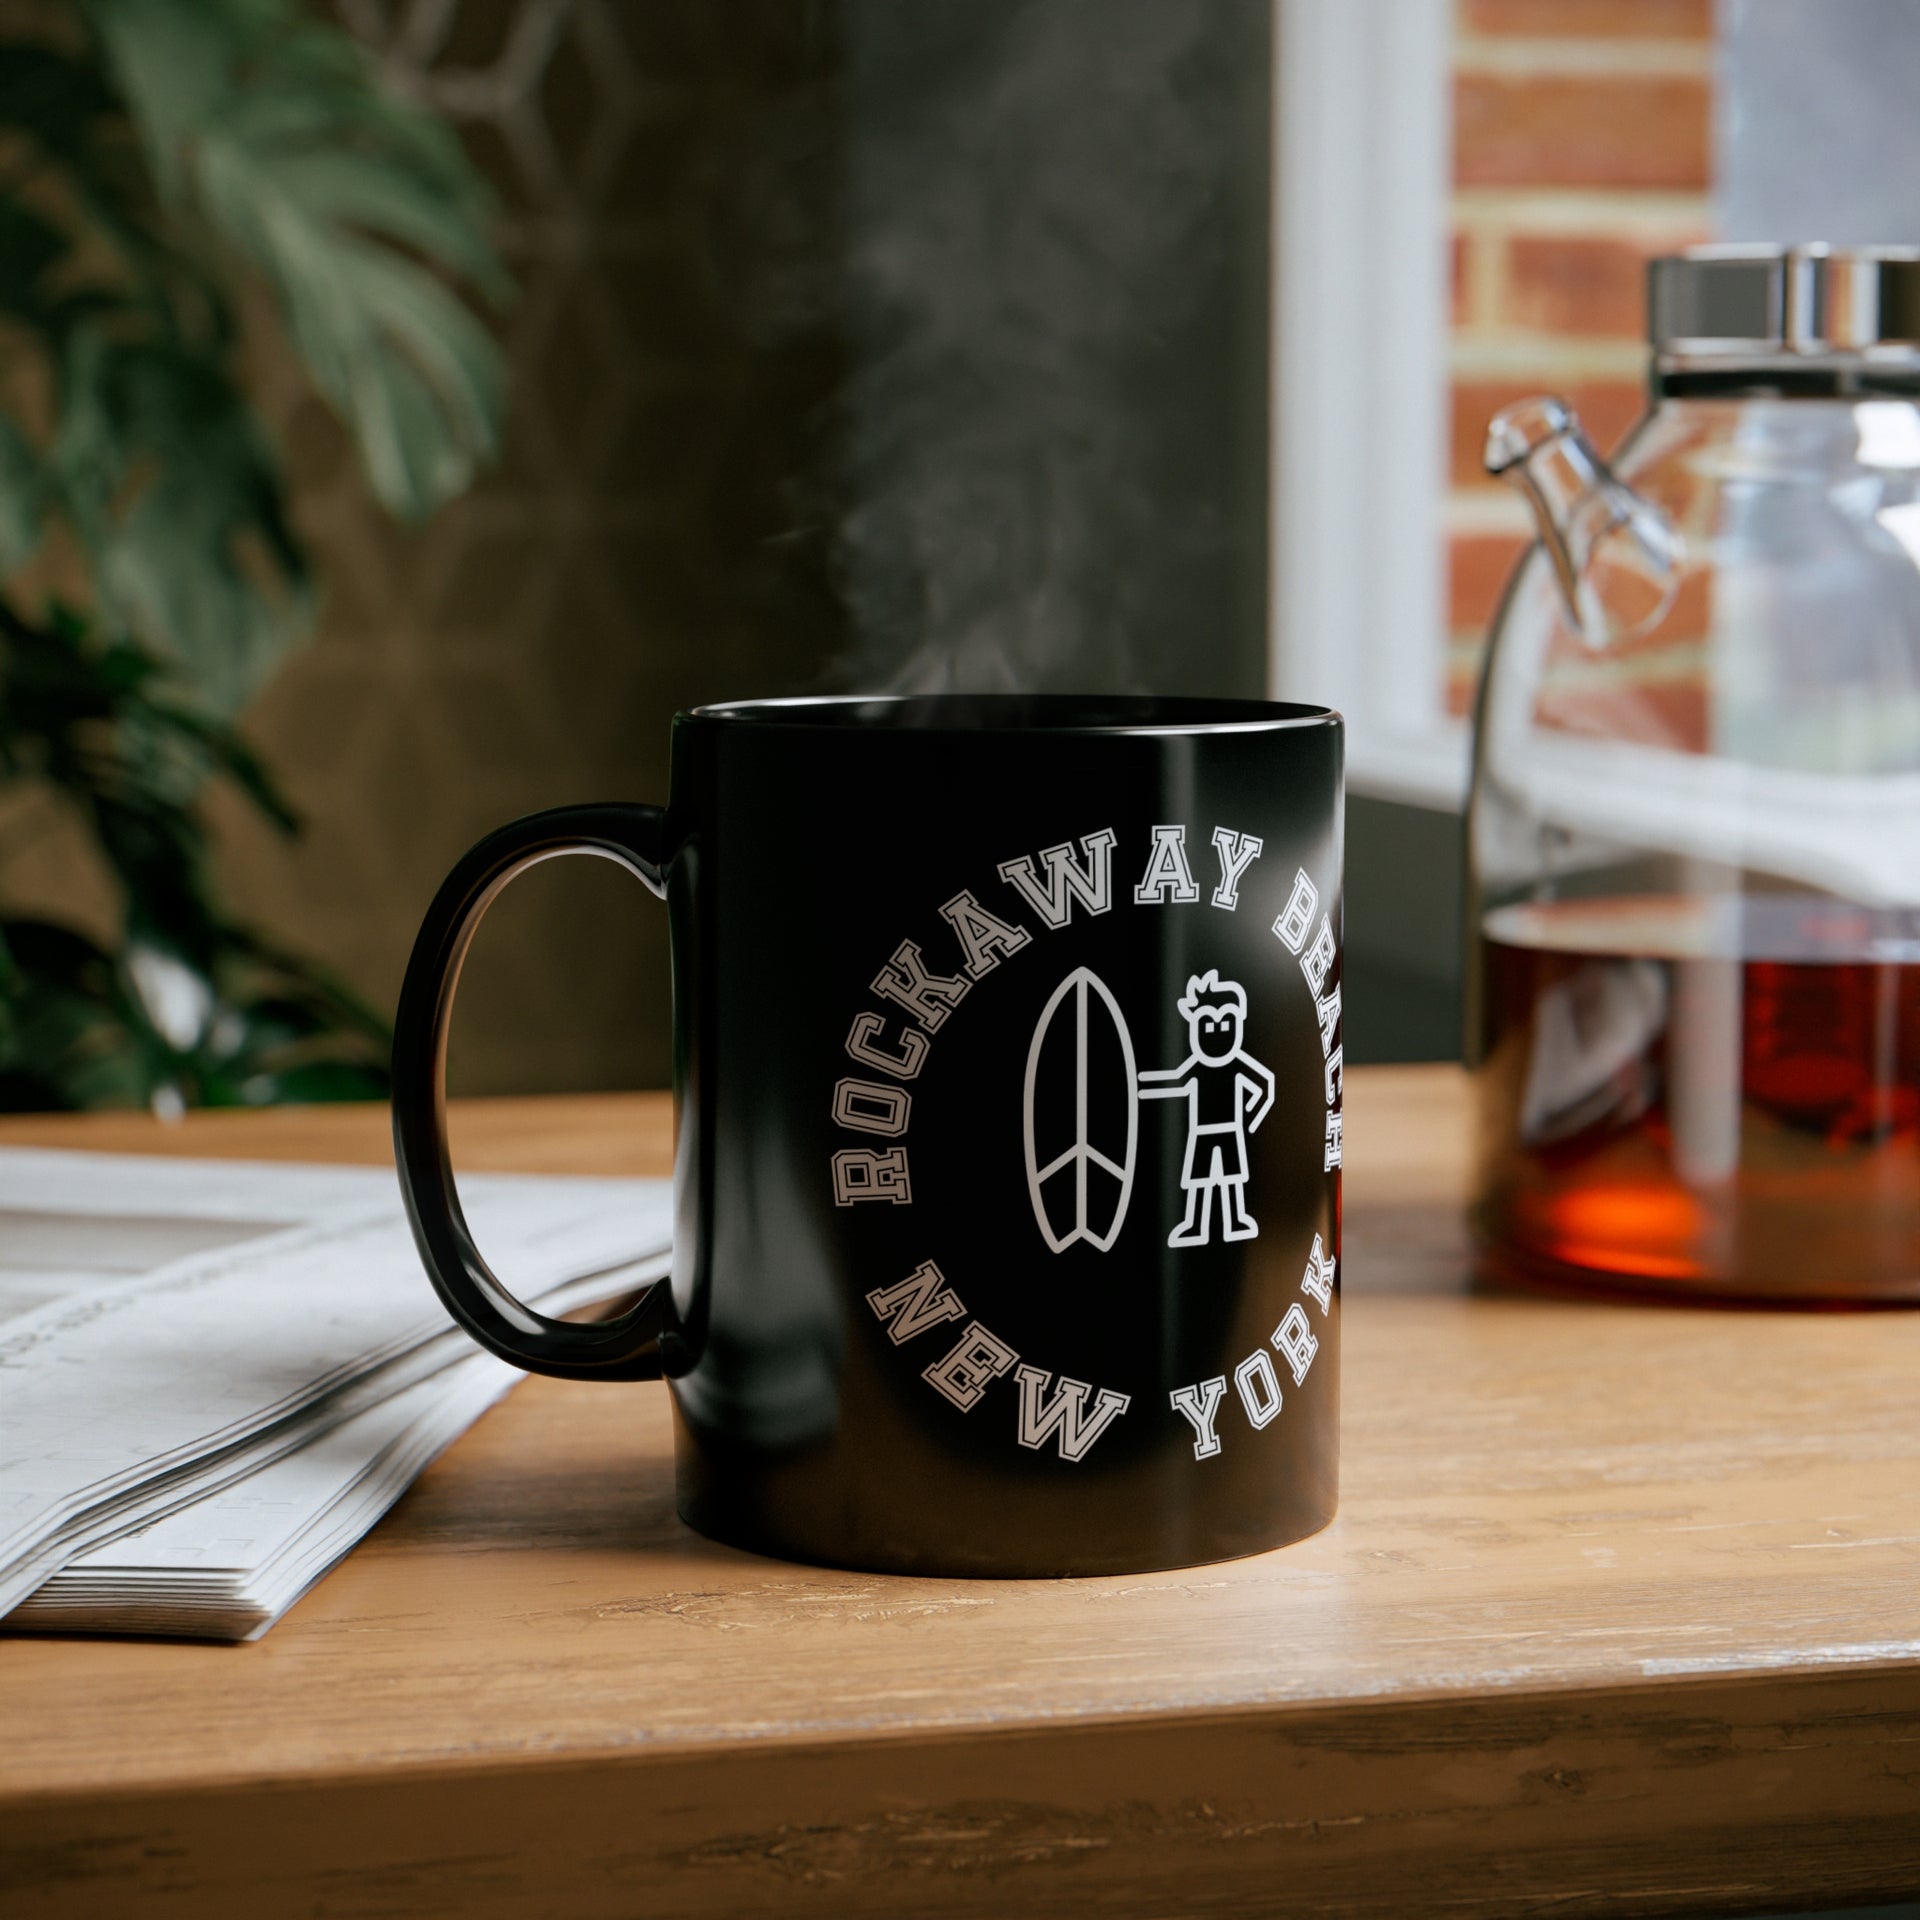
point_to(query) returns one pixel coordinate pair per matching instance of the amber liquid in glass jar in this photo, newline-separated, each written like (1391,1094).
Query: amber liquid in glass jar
(1717,1097)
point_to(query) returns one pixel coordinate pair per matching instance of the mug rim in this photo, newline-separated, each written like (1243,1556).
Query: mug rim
(1015,713)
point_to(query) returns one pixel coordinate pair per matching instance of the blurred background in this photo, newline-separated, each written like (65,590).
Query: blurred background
(838,344)
(840,356)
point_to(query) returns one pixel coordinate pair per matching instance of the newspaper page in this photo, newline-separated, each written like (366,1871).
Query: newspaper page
(169,1328)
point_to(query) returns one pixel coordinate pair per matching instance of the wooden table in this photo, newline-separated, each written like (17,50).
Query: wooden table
(1621,1614)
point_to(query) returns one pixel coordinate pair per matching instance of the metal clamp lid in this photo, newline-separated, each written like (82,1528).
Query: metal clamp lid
(1747,302)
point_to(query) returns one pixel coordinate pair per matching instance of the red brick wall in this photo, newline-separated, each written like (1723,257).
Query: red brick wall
(1582,145)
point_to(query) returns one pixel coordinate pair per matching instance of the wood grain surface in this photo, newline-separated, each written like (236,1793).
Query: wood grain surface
(1620,1615)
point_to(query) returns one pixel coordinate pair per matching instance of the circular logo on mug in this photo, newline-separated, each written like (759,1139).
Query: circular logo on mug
(1097,1123)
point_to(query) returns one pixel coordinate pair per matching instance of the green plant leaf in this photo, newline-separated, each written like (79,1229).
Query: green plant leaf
(63,108)
(66,1040)
(23,497)
(164,472)
(140,164)
(274,132)
(229,754)
(29,247)
(51,95)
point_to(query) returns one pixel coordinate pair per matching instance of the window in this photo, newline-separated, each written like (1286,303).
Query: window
(1465,196)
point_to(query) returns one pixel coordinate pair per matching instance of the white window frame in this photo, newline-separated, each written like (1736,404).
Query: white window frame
(1362,158)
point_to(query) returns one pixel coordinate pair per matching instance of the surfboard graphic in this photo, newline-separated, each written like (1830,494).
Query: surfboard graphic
(1081,1115)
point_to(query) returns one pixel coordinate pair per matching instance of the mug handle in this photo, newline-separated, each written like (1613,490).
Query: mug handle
(625,1348)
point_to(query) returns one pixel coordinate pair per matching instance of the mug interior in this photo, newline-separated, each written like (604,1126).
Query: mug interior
(1018,713)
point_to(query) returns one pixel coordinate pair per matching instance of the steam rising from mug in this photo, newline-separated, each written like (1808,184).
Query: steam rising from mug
(1050,466)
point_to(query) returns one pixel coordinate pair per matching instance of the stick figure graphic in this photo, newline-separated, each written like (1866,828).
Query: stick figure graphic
(1228,1093)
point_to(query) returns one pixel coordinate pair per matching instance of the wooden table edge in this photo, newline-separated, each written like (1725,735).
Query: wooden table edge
(1707,1793)
(1677,1694)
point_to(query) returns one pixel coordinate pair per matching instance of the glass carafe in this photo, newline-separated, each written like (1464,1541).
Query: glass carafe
(1694,834)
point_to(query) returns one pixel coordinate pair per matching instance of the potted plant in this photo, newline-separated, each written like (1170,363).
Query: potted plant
(159,159)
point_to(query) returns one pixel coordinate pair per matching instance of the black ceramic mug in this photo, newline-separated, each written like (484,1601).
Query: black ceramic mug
(1008,1088)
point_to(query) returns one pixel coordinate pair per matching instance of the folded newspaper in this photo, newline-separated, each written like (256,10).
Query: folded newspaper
(215,1376)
